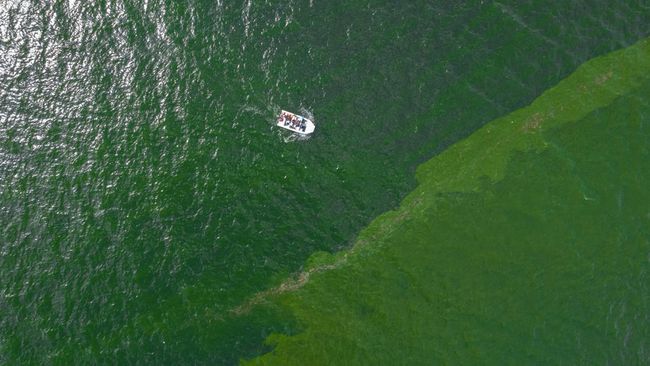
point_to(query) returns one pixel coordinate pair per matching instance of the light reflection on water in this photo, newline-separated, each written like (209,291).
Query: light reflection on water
(144,190)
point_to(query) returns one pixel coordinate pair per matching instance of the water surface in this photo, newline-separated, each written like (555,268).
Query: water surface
(144,191)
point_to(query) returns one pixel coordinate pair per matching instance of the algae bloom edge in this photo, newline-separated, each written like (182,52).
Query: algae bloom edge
(484,155)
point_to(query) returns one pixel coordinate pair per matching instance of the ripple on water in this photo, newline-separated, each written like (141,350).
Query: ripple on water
(144,190)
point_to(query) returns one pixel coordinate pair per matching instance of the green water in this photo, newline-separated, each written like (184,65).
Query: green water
(537,253)
(144,192)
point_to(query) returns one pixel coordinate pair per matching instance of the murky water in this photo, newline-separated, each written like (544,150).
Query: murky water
(144,191)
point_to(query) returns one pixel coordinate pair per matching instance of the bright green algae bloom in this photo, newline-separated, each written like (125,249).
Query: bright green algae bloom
(525,243)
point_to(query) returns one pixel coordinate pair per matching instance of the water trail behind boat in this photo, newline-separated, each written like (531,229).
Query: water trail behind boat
(296,137)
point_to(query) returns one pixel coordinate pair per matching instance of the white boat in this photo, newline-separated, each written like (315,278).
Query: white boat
(296,123)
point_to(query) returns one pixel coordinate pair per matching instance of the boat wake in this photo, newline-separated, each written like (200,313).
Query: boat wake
(296,137)
(307,113)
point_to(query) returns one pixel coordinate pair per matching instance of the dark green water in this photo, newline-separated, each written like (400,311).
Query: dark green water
(536,253)
(144,191)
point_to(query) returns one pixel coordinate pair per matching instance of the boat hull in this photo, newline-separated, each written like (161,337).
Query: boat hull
(309,125)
